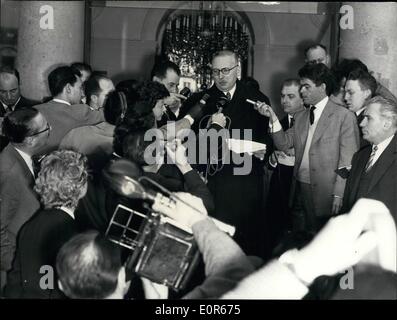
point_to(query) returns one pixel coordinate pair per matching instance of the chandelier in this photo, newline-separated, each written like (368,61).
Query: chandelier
(192,37)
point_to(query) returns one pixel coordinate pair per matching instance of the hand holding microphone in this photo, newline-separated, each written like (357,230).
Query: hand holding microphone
(264,109)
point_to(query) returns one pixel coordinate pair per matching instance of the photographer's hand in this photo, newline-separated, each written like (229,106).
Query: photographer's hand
(181,212)
(343,242)
(177,153)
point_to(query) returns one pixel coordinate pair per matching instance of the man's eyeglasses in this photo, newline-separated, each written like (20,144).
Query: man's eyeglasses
(47,128)
(224,71)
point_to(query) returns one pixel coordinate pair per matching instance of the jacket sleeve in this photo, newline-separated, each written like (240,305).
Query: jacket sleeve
(14,286)
(225,262)
(283,140)
(273,281)
(349,142)
(8,209)
(196,186)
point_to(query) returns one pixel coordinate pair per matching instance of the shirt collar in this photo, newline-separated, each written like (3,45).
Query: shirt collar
(68,211)
(321,105)
(61,101)
(383,145)
(358,112)
(231,91)
(13,106)
(27,158)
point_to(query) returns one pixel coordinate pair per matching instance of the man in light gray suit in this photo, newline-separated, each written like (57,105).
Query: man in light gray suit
(64,112)
(325,137)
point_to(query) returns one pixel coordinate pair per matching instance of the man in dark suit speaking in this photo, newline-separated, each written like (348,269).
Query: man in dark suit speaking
(238,196)
(374,168)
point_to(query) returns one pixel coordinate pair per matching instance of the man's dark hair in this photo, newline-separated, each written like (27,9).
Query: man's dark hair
(134,146)
(319,73)
(151,91)
(17,125)
(91,86)
(315,46)
(81,66)
(251,82)
(9,70)
(365,80)
(347,66)
(60,77)
(88,266)
(120,132)
(160,69)
(290,82)
(128,86)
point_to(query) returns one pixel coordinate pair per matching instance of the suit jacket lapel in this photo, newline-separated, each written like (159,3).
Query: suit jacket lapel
(26,172)
(323,122)
(386,159)
(359,170)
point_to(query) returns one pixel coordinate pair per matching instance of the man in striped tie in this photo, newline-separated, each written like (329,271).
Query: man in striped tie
(374,168)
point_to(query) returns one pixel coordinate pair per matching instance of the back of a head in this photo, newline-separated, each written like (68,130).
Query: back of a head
(151,91)
(134,146)
(116,105)
(92,87)
(17,125)
(129,86)
(160,69)
(319,73)
(60,77)
(137,118)
(81,66)
(88,266)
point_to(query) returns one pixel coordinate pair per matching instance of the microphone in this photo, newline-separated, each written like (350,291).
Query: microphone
(253,102)
(185,92)
(221,103)
(196,111)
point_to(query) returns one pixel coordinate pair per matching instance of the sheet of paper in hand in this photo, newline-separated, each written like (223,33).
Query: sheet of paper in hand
(244,146)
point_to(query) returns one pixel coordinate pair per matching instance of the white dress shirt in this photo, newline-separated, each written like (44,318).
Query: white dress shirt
(68,211)
(12,108)
(231,91)
(381,147)
(304,170)
(27,158)
(61,101)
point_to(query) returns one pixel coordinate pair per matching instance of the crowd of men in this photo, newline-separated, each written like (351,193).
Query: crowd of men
(335,145)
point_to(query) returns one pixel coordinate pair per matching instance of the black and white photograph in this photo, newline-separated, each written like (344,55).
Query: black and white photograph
(198,156)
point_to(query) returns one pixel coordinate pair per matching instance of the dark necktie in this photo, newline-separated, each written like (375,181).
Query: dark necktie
(371,159)
(228,96)
(36,164)
(291,123)
(312,108)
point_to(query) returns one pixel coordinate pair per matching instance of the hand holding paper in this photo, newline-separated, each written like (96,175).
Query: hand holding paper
(245,146)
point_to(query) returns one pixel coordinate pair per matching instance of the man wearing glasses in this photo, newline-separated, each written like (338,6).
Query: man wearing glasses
(27,131)
(238,198)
